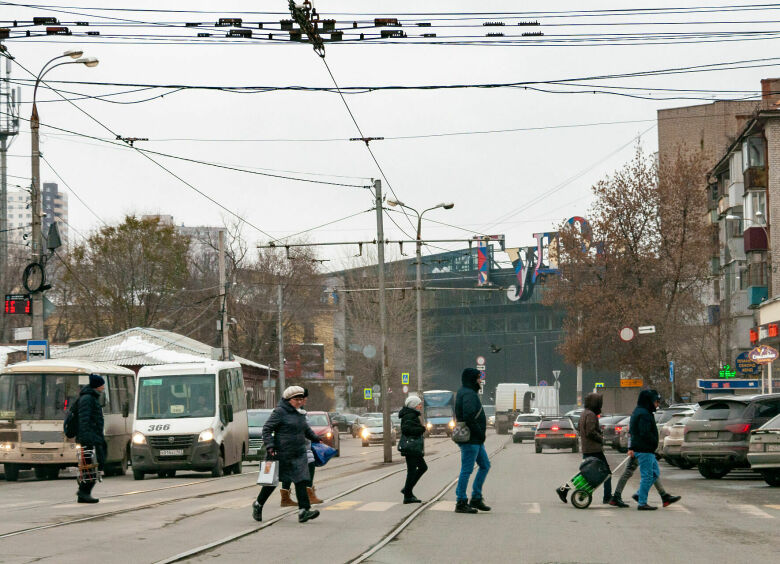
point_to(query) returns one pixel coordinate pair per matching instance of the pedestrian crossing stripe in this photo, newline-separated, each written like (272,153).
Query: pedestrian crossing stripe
(677,507)
(377,506)
(533,507)
(342,506)
(443,506)
(772,506)
(753,511)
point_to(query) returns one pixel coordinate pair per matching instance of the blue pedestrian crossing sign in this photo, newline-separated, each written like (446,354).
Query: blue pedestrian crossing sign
(367,393)
(404,378)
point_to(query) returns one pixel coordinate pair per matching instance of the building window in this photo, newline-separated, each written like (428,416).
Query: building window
(753,152)
(757,204)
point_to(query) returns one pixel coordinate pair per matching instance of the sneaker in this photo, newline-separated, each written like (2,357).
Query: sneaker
(670,499)
(646,507)
(617,502)
(411,499)
(307,514)
(479,504)
(562,493)
(635,497)
(257,511)
(464,507)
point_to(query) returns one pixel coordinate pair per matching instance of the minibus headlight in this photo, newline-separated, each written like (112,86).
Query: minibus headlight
(451,424)
(429,425)
(6,446)
(206,436)
(139,438)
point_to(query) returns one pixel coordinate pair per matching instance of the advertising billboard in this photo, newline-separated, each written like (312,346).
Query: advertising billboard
(304,361)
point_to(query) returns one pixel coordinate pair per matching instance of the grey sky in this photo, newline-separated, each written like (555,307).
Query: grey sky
(486,175)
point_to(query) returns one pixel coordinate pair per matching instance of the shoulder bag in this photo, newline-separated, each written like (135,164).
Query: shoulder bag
(461,433)
(411,446)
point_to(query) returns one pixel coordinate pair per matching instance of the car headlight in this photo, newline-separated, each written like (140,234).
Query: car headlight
(6,446)
(451,424)
(365,434)
(429,425)
(139,438)
(206,436)
(329,434)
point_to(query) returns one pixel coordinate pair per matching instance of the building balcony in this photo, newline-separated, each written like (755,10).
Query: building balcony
(756,295)
(755,239)
(755,177)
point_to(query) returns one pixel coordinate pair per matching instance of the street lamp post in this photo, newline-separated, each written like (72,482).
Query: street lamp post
(36,246)
(418,284)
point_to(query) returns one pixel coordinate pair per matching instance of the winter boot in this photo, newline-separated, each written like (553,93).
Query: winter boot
(307,514)
(479,503)
(463,507)
(669,499)
(257,511)
(84,494)
(562,492)
(286,499)
(313,497)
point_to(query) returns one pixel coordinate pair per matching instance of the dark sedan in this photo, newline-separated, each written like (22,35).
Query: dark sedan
(256,418)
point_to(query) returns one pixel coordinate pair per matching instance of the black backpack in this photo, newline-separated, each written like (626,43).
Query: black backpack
(71,425)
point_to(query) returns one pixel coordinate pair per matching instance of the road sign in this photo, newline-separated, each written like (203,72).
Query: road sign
(763,354)
(626,334)
(376,387)
(367,393)
(542,382)
(646,329)
(556,374)
(482,375)
(631,382)
(481,367)
(599,384)
(404,378)
(376,402)
(480,360)
(349,389)
(671,371)
(405,389)
(348,378)
(37,350)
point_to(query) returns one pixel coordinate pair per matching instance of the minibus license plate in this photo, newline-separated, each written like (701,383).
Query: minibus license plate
(773,448)
(172,452)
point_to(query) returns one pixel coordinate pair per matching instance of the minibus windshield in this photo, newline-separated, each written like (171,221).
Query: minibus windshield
(37,397)
(176,396)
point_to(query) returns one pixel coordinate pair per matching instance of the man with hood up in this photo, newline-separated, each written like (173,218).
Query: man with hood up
(592,441)
(468,408)
(644,442)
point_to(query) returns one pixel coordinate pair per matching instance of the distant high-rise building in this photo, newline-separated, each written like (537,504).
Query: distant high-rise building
(55,209)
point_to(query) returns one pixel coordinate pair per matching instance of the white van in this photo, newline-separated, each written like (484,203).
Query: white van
(190,417)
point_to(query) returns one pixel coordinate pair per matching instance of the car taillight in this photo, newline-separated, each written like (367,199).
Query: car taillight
(541,435)
(516,425)
(618,428)
(555,428)
(569,436)
(738,428)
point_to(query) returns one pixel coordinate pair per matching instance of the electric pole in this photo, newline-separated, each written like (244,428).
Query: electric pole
(380,237)
(36,242)
(223,295)
(280,334)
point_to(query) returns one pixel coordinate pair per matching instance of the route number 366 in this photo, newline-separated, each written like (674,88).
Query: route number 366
(158,427)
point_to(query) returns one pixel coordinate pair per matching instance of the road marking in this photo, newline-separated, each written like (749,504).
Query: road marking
(772,506)
(342,506)
(443,506)
(677,507)
(753,511)
(377,506)
(534,508)
(604,512)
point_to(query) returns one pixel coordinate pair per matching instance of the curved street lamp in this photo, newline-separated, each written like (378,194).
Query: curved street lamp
(35,193)
(418,285)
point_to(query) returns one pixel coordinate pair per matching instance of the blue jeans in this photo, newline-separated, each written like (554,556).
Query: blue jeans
(469,454)
(649,471)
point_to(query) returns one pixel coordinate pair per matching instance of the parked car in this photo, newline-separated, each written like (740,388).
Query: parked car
(764,451)
(320,423)
(607,424)
(396,421)
(490,413)
(663,416)
(350,419)
(717,436)
(339,421)
(621,432)
(256,418)
(672,444)
(556,433)
(524,427)
(373,432)
(665,428)
(574,415)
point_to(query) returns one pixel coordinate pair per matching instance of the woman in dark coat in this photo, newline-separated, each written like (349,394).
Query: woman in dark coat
(412,428)
(284,435)
(90,434)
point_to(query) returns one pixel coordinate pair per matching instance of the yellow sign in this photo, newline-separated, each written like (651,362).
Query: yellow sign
(599,384)
(631,383)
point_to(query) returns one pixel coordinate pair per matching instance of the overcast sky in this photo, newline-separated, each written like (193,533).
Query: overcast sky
(541,176)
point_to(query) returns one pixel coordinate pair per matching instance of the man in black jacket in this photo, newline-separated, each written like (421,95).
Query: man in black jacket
(90,434)
(468,408)
(644,442)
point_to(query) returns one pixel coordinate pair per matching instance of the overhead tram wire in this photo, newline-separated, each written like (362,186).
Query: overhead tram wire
(72,190)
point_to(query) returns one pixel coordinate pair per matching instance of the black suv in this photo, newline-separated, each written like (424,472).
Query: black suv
(717,437)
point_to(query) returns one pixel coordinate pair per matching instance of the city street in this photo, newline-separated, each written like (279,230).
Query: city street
(196,518)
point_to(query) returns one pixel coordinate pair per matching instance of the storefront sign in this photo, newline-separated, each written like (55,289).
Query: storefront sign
(763,354)
(744,365)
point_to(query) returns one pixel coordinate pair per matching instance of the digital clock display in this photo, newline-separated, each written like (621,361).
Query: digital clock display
(18,304)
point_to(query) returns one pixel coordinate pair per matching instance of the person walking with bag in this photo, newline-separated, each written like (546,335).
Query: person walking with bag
(285,434)
(284,491)
(644,442)
(90,433)
(411,446)
(468,410)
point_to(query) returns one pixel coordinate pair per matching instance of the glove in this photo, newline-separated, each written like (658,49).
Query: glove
(271,453)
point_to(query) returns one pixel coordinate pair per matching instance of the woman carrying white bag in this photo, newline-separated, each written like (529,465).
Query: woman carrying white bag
(284,435)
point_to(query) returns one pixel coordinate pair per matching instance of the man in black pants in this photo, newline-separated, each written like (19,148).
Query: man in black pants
(592,441)
(90,434)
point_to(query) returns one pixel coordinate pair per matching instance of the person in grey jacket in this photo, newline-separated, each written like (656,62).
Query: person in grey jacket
(285,434)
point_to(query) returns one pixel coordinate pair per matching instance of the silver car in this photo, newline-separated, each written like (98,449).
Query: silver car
(764,451)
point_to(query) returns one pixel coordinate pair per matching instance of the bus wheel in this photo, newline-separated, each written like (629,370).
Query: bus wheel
(11,472)
(238,467)
(53,472)
(137,474)
(41,473)
(219,468)
(121,468)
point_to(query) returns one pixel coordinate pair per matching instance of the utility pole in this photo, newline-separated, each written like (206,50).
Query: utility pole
(280,334)
(9,128)
(223,293)
(380,237)
(36,244)
(536,364)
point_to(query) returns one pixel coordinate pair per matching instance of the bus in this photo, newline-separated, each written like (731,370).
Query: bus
(439,411)
(190,416)
(34,399)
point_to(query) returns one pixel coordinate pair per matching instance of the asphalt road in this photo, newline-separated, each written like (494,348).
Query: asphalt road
(733,519)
